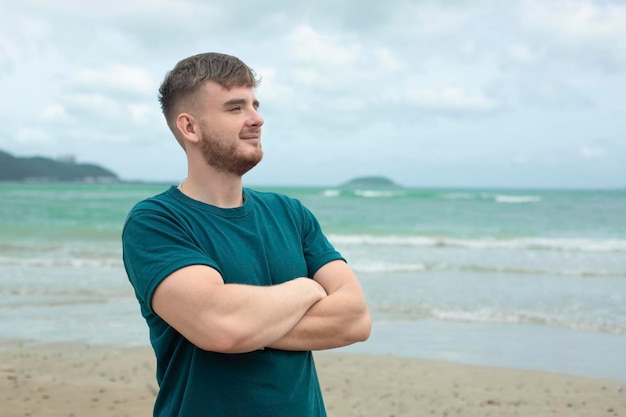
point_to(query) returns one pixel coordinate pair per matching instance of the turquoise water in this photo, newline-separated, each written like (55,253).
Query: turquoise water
(516,278)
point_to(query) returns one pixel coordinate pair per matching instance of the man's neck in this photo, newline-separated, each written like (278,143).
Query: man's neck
(214,188)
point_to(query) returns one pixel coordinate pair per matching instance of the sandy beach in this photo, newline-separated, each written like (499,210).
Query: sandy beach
(81,380)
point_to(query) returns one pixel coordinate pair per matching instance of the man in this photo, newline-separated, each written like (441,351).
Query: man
(237,286)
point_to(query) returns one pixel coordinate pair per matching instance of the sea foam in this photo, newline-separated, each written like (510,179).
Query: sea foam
(525,243)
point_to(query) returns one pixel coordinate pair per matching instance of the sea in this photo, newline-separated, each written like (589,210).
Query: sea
(526,279)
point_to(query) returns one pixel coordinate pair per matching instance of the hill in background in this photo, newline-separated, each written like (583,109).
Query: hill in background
(34,169)
(370,182)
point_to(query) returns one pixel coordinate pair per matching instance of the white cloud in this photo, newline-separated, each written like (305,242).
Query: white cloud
(97,105)
(520,52)
(311,47)
(114,10)
(451,98)
(431,19)
(387,61)
(576,18)
(346,105)
(116,77)
(32,136)
(142,113)
(8,51)
(272,89)
(54,113)
(314,77)
(591,33)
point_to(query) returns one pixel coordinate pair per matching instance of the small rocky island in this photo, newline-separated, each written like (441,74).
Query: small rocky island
(41,169)
(371,182)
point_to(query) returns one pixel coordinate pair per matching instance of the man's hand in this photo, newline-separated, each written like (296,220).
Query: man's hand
(340,319)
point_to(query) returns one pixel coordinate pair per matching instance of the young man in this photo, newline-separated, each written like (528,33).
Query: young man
(237,286)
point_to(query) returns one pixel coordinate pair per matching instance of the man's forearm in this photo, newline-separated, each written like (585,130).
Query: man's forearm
(232,318)
(268,316)
(337,320)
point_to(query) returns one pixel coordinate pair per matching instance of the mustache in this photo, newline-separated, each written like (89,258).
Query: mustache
(255,131)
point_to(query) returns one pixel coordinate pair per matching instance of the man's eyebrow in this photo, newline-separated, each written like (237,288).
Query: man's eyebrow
(239,101)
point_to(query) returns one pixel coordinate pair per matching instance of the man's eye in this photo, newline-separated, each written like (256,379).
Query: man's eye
(234,108)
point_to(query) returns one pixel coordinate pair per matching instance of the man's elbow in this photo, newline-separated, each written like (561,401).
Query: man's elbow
(226,339)
(361,329)
(366,327)
(223,344)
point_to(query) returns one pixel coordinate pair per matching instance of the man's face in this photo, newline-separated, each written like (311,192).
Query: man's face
(230,128)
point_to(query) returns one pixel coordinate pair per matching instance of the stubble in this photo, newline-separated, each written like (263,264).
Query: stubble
(228,155)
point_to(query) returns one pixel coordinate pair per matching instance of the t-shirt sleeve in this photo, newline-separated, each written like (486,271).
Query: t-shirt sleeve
(154,246)
(318,251)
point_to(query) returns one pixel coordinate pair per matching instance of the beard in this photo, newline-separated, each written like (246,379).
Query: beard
(227,155)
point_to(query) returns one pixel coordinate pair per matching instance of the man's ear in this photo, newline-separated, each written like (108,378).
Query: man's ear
(188,127)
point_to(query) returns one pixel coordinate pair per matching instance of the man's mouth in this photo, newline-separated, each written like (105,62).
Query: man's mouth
(251,136)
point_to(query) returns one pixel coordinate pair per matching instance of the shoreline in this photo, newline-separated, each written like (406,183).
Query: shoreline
(74,379)
(548,349)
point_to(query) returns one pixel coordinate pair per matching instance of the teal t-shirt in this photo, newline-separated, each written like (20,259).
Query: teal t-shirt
(269,240)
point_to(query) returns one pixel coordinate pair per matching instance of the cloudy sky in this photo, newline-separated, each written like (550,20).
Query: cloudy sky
(480,93)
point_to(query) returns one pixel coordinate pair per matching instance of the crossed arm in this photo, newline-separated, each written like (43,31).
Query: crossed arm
(302,314)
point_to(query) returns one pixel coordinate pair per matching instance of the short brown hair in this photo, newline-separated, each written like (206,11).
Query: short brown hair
(191,73)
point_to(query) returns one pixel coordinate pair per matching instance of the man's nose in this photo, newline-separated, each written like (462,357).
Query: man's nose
(256,119)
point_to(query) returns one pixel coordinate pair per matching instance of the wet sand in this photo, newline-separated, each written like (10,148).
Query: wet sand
(81,380)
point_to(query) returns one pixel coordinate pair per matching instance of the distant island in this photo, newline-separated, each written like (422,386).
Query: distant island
(41,169)
(370,182)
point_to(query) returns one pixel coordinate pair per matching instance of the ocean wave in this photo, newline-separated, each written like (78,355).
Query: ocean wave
(391,267)
(379,193)
(487,315)
(364,193)
(589,273)
(498,198)
(556,244)
(375,267)
(458,196)
(36,301)
(43,262)
(517,199)
(6,247)
(332,193)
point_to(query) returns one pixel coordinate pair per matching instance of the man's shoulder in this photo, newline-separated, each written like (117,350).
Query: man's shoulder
(272,198)
(159,202)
